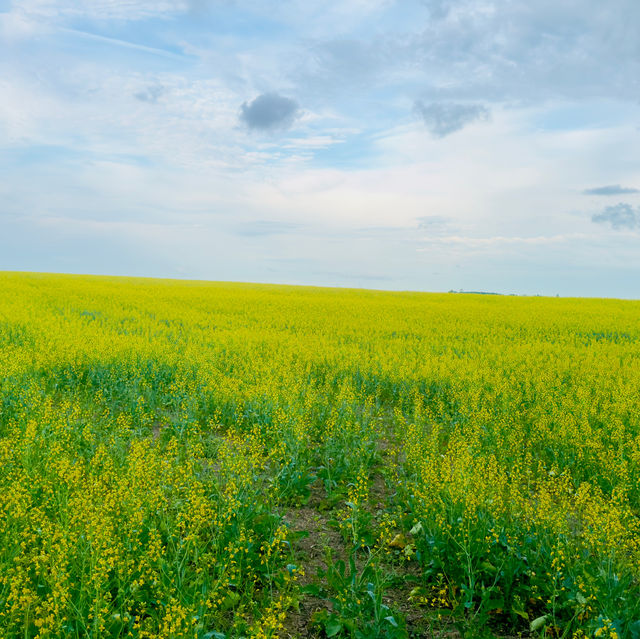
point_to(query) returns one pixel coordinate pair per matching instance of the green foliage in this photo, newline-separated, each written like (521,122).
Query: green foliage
(356,597)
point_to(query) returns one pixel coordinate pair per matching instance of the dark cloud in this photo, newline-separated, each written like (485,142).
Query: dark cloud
(444,118)
(619,216)
(611,189)
(269,111)
(150,94)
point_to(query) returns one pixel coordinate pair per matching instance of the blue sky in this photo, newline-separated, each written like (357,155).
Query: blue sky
(411,144)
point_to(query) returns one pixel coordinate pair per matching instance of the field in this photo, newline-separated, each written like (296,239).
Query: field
(190,459)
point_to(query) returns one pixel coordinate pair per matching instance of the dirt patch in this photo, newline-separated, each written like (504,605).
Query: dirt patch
(314,532)
(379,492)
(156,429)
(320,535)
(314,536)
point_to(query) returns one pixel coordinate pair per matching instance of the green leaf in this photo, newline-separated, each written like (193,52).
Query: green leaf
(634,629)
(332,627)
(230,600)
(312,590)
(495,604)
(392,621)
(349,624)
(538,623)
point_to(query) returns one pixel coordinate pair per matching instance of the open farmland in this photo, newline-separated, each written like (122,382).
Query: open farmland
(191,459)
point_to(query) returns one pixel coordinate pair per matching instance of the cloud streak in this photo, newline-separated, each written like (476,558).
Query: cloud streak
(499,240)
(611,189)
(120,42)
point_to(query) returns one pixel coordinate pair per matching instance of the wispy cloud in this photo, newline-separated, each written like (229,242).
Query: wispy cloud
(120,42)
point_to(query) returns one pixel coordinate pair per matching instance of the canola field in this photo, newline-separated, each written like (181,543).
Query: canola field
(192,459)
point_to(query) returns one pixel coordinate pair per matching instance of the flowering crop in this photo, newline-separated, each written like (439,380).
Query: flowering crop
(472,460)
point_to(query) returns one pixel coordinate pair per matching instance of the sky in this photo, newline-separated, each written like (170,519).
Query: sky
(432,145)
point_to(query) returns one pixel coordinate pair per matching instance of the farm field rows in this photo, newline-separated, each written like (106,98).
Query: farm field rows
(193,459)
